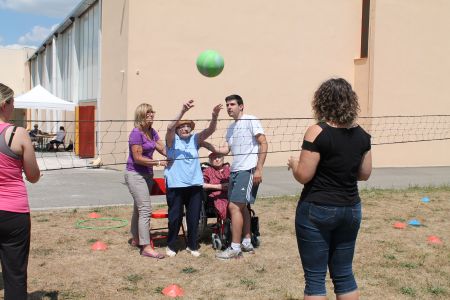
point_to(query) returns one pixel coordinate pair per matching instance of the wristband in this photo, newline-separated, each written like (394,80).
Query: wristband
(159,163)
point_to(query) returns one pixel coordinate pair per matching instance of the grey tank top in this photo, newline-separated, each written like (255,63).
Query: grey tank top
(4,146)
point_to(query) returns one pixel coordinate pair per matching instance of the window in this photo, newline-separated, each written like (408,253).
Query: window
(365,28)
(87,47)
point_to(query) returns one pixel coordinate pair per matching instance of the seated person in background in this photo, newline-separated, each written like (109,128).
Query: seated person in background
(34,132)
(35,140)
(216,178)
(58,140)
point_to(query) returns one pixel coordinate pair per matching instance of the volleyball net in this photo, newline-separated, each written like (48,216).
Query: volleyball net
(105,142)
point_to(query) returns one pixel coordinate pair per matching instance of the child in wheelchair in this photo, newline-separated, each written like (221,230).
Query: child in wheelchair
(216,176)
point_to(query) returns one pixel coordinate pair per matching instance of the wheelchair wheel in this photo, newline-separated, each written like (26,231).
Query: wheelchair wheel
(216,242)
(256,241)
(202,222)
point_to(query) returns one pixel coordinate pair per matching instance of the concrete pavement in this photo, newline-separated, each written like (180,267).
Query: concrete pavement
(73,188)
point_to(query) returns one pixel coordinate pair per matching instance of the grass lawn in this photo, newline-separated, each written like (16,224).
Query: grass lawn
(389,263)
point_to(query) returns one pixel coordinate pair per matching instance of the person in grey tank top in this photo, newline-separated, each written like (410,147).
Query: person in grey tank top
(16,156)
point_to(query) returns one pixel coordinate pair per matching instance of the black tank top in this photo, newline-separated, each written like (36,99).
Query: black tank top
(341,152)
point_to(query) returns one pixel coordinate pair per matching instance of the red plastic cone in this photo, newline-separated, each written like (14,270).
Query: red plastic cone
(399,225)
(94,215)
(98,245)
(432,239)
(173,290)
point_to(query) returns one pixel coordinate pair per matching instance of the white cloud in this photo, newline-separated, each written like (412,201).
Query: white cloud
(36,36)
(50,8)
(17,46)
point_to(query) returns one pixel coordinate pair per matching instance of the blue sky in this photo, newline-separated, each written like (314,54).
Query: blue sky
(29,22)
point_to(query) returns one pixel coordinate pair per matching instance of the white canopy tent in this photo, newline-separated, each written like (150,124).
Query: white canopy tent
(40,98)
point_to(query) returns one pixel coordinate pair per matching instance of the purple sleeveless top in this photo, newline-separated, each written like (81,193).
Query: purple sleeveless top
(137,137)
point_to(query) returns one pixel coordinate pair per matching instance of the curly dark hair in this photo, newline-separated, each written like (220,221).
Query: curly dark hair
(335,101)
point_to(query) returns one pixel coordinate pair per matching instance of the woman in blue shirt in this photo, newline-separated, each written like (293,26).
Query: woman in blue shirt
(184,177)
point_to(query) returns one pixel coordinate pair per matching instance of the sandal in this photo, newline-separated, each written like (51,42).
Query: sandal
(152,255)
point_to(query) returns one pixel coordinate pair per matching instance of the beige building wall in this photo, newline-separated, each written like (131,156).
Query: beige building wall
(14,73)
(113,101)
(276,54)
(410,73)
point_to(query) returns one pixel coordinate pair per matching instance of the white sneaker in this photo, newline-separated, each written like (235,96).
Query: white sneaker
(170,253)
(248,248)
(194,253)
(229,253)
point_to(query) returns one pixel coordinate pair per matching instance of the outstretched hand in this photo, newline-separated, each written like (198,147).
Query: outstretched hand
(216,109)
(188,105)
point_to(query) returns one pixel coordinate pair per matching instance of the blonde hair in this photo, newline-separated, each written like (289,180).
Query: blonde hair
(140,115)
(6,93)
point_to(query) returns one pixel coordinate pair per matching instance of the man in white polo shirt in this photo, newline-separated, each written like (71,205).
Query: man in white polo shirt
(246,140)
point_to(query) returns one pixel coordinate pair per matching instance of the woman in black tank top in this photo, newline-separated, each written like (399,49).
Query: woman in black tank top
(335,155)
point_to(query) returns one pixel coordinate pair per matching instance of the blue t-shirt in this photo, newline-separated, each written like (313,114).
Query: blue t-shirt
(185,170)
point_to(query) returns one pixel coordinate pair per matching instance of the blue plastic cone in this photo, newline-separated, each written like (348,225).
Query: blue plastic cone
(414,222)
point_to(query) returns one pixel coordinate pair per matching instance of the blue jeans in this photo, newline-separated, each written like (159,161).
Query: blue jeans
(326,237)
(192,198)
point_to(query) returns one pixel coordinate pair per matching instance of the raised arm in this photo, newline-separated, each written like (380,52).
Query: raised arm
(206,133)
(224,149)
(170,135)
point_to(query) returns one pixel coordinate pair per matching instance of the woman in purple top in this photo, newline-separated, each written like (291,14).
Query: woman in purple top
(143,141)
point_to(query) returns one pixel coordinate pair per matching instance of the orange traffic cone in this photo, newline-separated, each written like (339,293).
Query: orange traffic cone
(432,239)
(94,215)
(98,245)
(173,290)
(399,225)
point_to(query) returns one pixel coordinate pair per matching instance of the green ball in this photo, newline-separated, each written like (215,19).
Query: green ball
(210,63)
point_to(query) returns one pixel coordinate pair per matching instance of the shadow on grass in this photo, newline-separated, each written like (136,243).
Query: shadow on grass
(37,295)
(161,238)
(47,295)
